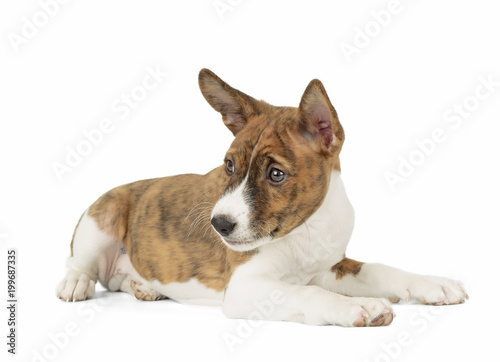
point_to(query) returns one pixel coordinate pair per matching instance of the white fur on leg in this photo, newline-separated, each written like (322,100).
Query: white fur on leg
(75,287)
(377,280)
(94,256)
(274,300)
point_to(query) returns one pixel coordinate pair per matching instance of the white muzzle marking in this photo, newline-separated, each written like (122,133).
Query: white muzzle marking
(235,206)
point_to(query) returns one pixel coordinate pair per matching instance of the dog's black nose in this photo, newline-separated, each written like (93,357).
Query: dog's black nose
(223,225)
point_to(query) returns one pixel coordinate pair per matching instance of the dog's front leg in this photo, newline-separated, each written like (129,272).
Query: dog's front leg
(353,278)
(265,298)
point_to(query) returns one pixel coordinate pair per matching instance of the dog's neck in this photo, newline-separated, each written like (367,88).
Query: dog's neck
(318,242)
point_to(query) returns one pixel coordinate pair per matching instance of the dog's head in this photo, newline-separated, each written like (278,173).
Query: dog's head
(277,171)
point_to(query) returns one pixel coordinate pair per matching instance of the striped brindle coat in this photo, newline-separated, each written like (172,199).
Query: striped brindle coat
(270,225)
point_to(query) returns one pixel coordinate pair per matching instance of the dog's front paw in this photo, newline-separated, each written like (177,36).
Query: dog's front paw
(435,291)
(359,312)
(371,312)
(348,312)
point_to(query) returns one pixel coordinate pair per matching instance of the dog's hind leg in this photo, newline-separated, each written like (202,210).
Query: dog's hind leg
(140,291)
(129,281)
(96,246)
(93,257)
(98,253)
(98,256)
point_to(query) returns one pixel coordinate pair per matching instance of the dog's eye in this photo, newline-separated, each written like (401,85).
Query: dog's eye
(276,175)
(229,167)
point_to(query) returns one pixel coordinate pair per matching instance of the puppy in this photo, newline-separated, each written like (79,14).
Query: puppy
(264,235)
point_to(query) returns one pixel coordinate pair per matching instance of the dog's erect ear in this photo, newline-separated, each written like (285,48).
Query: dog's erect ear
(318,119)
(235,106)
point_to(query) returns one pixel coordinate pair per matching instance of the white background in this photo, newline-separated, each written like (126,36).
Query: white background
(443,219)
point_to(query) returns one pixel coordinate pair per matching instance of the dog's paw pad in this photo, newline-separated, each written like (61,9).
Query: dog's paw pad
(361,321)
(394,300)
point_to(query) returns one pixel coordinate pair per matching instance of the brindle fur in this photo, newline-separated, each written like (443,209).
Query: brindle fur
(346,267)
(164,223)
